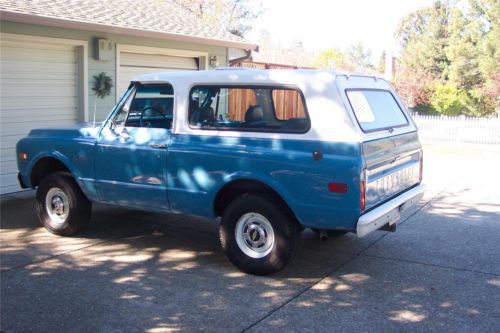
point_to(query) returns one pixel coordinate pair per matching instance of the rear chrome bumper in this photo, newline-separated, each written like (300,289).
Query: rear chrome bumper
(388,213)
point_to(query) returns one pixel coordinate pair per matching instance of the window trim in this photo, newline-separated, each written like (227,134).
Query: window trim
(250,86)
(118,106)
(381,128)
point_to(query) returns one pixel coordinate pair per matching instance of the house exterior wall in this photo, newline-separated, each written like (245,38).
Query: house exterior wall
(95,66)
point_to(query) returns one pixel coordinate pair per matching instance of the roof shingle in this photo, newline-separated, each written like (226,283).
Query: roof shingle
(163,16)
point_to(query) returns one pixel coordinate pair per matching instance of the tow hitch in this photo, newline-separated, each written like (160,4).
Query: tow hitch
(389,227)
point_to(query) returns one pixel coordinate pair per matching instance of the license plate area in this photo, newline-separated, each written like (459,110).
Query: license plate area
(384,185)
(388,218)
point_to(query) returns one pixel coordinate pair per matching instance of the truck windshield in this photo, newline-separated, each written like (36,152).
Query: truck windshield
(376,109)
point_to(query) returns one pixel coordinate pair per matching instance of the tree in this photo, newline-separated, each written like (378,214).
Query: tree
(235,16)
(332,58)
(423,36)
(450,57)
(381,63)
(355,58)
(359,57)
(487,15)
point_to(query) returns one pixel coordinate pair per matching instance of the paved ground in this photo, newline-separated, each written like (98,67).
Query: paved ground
(135,272)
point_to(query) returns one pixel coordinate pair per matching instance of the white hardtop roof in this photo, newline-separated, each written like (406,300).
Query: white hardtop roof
(251,76)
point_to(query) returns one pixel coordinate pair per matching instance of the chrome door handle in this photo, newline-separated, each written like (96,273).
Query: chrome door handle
(158,145)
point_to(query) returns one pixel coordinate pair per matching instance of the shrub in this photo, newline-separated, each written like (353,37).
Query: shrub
(449,100)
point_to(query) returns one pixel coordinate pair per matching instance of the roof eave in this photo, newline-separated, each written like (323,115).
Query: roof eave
(78,25)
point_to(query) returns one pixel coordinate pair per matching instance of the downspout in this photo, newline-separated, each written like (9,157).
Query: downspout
(235,62)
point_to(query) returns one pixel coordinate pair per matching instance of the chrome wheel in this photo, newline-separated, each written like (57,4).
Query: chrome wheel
(57,205)
(254,235)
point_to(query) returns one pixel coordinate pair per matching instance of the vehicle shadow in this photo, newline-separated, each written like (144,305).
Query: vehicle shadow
(136,271)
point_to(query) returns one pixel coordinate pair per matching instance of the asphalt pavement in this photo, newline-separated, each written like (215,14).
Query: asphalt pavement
(140,272)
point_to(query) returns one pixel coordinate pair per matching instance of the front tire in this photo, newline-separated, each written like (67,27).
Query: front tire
(257,236)
(61,205)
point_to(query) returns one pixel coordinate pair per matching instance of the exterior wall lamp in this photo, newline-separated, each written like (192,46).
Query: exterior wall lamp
(213,61)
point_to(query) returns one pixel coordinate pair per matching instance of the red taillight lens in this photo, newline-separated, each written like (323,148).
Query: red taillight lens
(337,187)
(362,193)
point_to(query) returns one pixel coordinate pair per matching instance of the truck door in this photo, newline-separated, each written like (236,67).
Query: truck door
(131,151)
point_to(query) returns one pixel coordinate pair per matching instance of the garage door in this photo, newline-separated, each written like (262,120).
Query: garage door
(133,64)
(38,88)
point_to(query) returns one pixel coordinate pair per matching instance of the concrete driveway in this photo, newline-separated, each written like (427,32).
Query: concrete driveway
(135,272)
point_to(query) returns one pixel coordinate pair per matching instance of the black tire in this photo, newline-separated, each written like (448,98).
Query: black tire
(332,233)
(285,229)
(69,210)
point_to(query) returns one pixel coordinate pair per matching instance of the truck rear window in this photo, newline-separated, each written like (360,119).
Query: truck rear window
(376,109)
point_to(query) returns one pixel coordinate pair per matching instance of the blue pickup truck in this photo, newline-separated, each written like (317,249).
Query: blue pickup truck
(268,153)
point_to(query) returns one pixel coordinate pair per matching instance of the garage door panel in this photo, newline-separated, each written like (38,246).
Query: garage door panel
(36,47)
(53,90)
(40,81)
(18,66)
(8,179)
(10,141)
(156,60)
(8,154)
(8,77)
(46,56)
(41,102)
(133,64)
(20,115)
(127,74)
(10,164)
(24,128)
(38,118)
(39,88)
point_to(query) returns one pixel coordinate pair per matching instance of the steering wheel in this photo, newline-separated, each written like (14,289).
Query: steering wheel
(155,110)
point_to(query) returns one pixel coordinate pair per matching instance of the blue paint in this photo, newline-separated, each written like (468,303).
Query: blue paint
(199,166)
(186,177)
(130,169)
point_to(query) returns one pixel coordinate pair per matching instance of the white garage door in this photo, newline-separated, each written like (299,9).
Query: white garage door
(133,64)
(38,88)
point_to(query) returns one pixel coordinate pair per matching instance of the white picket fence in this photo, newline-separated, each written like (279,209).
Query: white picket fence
(439,129)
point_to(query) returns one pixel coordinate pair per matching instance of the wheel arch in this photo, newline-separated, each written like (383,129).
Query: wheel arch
(238,187)
(45,166)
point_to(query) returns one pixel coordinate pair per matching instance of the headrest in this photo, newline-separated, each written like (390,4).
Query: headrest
(207,114)
(204,115)
(254,113)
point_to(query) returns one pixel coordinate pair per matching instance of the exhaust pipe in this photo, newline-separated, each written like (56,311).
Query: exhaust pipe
(388,227)
(323,235)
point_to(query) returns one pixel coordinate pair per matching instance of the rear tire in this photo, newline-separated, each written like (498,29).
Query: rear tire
(61,205)
(257,236)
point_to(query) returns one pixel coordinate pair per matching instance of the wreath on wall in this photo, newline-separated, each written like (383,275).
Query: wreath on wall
(102,85)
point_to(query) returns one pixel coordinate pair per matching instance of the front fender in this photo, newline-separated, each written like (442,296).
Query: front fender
(86,184)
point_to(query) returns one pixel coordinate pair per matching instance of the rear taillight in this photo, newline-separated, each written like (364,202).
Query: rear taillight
(362,191)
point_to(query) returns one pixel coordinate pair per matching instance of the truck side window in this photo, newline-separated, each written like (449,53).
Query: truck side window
(149,106)
(254,108)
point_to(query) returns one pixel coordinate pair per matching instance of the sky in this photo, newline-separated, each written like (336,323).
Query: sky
(324,24)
